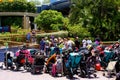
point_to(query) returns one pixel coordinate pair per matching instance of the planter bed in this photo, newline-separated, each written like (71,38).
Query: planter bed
(11,43)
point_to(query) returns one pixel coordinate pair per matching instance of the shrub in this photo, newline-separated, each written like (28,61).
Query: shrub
(49,20)
(79,31)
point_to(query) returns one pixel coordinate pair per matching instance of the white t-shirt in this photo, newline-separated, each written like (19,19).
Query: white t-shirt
(89,42)
(84,42)
(69,44)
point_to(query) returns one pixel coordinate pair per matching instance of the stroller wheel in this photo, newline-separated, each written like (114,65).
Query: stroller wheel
(109,74)
(103,74)
(70,75)
(83,74)
(17,67)
(12,67)
(33,71)
(95,75)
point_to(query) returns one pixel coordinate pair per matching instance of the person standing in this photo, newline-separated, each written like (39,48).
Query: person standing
(70,44)
(33,36)
(84,42)
(28,37)
(97,40)
(77,42)
(47,46)
(89,41)
(42,45)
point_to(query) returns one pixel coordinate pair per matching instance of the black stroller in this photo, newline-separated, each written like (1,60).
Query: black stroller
(87,63)
(38,64)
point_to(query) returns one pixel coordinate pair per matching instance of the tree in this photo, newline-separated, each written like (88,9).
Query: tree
(46,1)
(49,20)
(100,17)
(36,2)
(13,0)
(78,30)
(17,6)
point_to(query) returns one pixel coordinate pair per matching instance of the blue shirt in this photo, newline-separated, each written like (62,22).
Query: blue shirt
(42,45)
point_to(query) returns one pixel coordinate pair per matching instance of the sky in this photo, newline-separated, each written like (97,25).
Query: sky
(41,0)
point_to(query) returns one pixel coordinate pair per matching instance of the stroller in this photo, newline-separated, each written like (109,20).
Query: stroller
(109,62)
(22,58)
(57,67)
(111,69)
(73,63)
(87,65)
(8,59)
(51,60)
(38,64)
(108,55)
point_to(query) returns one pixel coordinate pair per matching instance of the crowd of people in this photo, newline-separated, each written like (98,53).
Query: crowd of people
(64,54)
(65,43)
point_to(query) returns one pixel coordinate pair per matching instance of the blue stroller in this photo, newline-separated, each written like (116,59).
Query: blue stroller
(72,63)
(107,57)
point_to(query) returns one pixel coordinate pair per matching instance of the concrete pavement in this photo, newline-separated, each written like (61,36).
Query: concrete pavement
(23,75)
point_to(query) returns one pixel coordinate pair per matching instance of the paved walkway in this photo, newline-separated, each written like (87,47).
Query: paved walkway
(23,75)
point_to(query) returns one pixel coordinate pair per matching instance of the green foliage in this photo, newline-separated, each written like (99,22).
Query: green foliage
(49,20)
(100,17)
(12,21)
(78,30)
(36,2)
(66,23)
(18,39)
(17,6)
(14,28)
